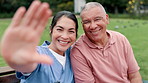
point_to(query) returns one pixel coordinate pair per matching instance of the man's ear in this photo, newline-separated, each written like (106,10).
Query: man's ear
(107,18)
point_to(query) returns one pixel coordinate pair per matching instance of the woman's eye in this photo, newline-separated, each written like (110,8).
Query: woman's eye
(59,29)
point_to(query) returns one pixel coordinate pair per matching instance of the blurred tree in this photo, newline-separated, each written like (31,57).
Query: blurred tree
(145,2)
(59,5)
(69,6)
(136,7)
(8,6)
(2,1)
(113,6)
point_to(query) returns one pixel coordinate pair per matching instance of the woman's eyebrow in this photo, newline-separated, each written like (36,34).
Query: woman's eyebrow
(72,28)
(60,27)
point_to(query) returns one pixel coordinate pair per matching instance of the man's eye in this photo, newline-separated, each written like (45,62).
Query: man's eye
(72,31)
(86,22)
(98,19)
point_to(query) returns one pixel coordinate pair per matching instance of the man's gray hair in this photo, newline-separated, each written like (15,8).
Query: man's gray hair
(91,5)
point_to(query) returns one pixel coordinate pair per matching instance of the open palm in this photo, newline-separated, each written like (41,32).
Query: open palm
(23,35)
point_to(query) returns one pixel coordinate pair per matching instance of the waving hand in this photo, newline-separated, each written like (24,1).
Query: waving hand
(18,45)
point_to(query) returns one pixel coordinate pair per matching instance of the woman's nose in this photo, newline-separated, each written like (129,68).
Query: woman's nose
(64,35)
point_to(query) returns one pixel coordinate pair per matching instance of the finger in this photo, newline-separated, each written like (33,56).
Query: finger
(42,59)
(18,17)
(31,12)
(40,28)
(40,14)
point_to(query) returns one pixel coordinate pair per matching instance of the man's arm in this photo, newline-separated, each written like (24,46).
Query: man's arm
(135,77)
(133,68)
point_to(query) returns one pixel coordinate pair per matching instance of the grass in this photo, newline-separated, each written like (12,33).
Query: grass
(135,30)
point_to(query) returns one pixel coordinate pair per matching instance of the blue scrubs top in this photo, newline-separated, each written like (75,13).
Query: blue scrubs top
(54,73)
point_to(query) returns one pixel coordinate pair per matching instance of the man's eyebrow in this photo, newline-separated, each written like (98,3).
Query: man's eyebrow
(99,17)
(72,29)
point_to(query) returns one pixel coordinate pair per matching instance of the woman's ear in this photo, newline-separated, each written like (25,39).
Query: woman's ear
(50,30)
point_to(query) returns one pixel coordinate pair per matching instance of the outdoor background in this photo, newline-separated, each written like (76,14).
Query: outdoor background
(129,17)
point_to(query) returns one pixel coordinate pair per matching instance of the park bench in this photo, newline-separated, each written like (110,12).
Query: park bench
(7,75)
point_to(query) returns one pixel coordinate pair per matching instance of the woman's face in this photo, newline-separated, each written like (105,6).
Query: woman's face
(63,35)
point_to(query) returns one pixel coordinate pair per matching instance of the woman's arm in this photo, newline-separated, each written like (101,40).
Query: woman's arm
(18,45)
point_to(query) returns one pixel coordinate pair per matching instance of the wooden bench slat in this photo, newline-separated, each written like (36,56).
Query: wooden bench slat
(9,79)
(6,70)
(7,75)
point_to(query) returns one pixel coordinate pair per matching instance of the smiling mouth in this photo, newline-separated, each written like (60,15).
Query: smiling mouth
(63,42)
(95,31)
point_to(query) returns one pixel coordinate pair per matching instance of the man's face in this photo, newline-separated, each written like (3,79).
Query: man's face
(94,22)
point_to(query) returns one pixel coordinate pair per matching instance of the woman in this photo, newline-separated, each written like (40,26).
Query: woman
(22,37)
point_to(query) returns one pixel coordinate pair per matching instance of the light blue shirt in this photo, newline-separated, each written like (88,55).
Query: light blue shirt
(54,73)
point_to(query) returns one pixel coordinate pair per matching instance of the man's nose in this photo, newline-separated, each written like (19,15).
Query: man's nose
(93,25)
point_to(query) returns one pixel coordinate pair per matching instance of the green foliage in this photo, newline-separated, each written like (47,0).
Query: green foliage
(145,2)
(119,3)
(8,6)
(127,16)
(134,7)
(6,15)
(112,6)
(69,6)
(59,5)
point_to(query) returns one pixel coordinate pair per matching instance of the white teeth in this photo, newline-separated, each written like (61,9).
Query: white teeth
(95,32)
(63,42)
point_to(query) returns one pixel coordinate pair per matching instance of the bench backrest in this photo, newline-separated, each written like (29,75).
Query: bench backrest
(7,75)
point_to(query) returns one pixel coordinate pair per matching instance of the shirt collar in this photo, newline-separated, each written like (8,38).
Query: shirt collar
(92,45)
(45,43)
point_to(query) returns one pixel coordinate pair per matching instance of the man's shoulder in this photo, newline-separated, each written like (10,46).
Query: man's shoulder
(80,40)
(80,43)
(117,37)
(115,34)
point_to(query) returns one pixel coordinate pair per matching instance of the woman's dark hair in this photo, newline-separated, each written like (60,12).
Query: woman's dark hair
(68,15)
